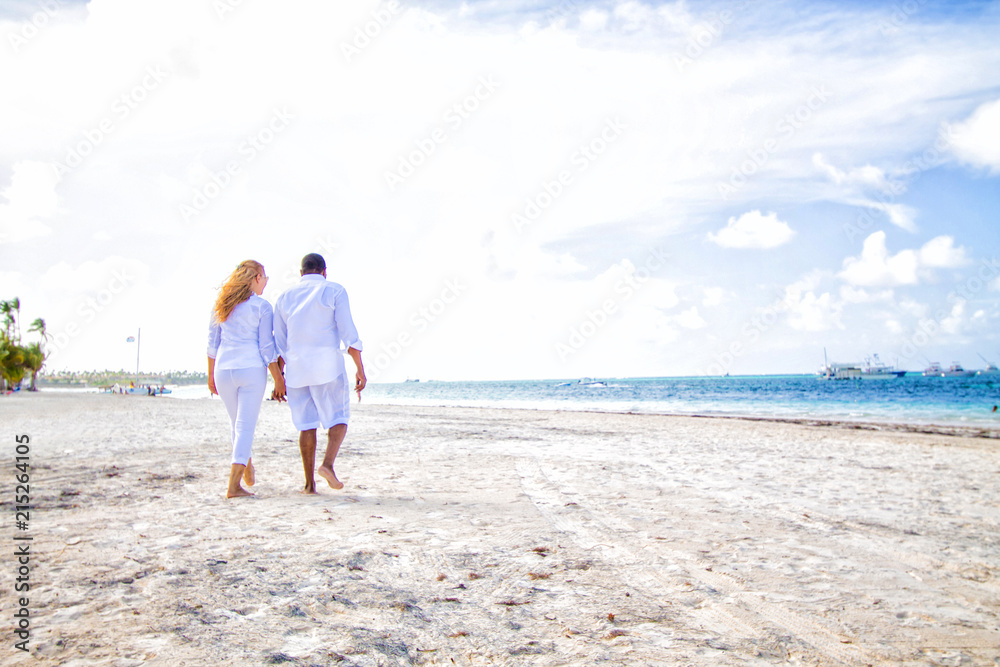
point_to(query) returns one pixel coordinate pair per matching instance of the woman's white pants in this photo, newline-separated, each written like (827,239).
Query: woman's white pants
(242,390)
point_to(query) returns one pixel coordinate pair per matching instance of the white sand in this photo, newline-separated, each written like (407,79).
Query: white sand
(477,537)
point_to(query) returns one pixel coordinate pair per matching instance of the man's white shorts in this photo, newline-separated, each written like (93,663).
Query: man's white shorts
(318,405)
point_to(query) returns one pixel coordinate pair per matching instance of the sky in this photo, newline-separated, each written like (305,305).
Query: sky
(511,190)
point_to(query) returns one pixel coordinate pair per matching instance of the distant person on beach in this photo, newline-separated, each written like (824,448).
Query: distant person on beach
(240,352)
(312,319)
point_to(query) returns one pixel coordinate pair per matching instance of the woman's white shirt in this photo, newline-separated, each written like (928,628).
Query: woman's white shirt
(246,338)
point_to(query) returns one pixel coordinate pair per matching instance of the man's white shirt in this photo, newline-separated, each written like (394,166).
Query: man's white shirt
(312,329)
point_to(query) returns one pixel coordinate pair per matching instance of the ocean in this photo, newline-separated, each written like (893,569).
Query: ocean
(912,399)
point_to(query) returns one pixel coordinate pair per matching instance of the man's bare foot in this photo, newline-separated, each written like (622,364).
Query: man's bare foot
(330,477)
(240,492)
(309,490)
(249,476)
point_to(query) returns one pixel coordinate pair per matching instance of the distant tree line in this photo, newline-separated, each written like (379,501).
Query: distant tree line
(107,378)
(17,360)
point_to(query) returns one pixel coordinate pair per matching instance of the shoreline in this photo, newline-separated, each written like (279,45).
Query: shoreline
(961,430)
(953,430)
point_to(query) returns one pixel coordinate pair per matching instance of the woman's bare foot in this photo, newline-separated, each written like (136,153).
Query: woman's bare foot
(249,475)
(330,477)
(235,475)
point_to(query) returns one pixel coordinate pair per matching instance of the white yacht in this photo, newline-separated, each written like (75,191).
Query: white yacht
(956,371)
(874,369)
(934,370)
(991,368)
(871,369)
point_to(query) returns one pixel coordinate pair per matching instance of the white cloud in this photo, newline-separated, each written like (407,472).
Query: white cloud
(30,197)
(855,187)
(866,177)
(753,230)
(111,274)
(713,296)
(849,294)
(650,325)
(634,14)
(815,313)
(809,281)
(914,308)
(593,19)
(690,319)
(809,312)
(953,323)
(941,253)
(900,215)
(13,283)
(976,140)
(876,268)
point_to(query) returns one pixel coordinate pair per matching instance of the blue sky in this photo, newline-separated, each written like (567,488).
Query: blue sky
(512,190)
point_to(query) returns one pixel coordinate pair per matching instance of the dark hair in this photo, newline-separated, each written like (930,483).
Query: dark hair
(313,263)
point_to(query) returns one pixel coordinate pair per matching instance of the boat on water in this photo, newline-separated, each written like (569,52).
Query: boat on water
(956,371)
(934,370)
(837,371)
(874,369)
(991,368)
(584,382)
(871,369)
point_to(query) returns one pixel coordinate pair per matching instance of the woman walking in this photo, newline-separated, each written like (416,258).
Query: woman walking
(240,352)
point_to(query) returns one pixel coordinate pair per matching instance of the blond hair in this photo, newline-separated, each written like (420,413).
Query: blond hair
(236,289)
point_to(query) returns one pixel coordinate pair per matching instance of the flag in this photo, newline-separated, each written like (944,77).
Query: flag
(130,339)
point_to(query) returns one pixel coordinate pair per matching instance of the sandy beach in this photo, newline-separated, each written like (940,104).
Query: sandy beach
(500,537)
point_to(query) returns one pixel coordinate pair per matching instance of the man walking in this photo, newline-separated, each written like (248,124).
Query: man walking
(312,320)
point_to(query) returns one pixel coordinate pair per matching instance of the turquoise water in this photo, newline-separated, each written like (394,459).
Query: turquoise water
(913,399)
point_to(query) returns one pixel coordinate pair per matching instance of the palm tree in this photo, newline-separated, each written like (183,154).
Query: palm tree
(37,355)
(5,351)
(39,326)
(11,362)
(7,308)
(34,359)
(16,306)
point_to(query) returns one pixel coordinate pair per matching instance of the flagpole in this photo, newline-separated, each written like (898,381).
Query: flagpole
(138,342)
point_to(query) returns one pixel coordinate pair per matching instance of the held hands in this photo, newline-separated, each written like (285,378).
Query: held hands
(276,368)
(279,390)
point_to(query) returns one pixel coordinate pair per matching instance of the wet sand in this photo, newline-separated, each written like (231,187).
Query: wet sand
(501,537)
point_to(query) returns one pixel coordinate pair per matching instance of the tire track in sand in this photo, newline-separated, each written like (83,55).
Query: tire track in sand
(743,617)
(881,545)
